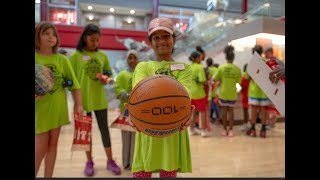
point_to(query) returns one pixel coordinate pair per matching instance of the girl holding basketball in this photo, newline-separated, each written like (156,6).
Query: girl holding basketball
(89,63)
(51,110)
(228,75)
(167,155)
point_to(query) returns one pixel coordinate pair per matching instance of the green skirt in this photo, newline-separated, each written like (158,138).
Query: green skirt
(171,153)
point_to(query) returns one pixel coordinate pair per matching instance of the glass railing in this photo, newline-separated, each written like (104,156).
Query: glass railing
(207,30)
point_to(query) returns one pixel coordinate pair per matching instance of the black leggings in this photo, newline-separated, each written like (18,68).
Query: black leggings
(102,118)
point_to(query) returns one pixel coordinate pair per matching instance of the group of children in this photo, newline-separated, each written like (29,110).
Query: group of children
(204,91)
(142,154)
(167,155)
(51,111)
(225,79)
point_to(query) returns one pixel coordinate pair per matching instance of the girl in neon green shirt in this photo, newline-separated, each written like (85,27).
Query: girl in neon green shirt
(258,101)
(87,62)
(198,95)
(213,106)
(171,154)
(123,86)
(228,75)
(51,110)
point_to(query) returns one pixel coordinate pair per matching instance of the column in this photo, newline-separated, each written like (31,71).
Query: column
(155,8)
(244,6)
(43,10)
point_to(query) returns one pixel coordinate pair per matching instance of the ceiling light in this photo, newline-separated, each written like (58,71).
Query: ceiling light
(111,9)
(267,4)
(132,11)
(237,21)
(90,17)
(129,21)
(38,1)
(59,15)
(90,7)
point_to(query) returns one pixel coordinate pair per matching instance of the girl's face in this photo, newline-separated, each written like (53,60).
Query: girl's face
(268,54)
(132,61)
(48,38)
(197,59)
(92,42)
(162,42)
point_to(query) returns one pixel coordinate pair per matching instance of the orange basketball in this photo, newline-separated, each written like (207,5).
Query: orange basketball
(159,105)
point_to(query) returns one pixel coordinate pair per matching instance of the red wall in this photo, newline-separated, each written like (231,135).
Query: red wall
(69,36)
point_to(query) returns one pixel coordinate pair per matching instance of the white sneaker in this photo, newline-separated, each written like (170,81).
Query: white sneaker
(244,127)
(269,126)
(193,132)
(206,133)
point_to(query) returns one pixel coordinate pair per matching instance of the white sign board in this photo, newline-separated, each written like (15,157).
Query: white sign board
(259,72)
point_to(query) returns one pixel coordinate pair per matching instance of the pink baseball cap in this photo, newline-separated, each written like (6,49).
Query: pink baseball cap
(160,24)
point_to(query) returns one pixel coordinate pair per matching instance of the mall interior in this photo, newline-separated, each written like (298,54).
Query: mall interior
(211,24)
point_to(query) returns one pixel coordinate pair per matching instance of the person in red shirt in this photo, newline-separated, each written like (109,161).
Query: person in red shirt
(277,73)
(244,100)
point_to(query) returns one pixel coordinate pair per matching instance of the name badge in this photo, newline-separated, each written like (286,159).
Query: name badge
(86,58)
(174,67)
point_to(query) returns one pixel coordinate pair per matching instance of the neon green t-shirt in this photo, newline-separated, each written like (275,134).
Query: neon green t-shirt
(51,111)
(86,65)
(123,84)
(254,91)
(212,72)
(228,75)
(198,77)
(169,153)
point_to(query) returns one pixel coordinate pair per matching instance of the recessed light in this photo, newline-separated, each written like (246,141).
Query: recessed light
(132,11)
(59,15)
(111,9)
(90,7)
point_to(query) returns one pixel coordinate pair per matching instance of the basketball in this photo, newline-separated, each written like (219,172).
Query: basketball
(44,80)
(159,105)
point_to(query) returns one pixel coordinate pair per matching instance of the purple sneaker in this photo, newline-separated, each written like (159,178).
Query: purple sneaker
(89,170)
(112,166)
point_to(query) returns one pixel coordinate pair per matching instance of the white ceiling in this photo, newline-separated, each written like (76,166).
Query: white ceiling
(118,10)
(143,7)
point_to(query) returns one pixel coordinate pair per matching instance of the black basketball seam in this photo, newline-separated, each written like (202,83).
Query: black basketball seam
(135,88)
(157,76)
(159,98)
(156,123)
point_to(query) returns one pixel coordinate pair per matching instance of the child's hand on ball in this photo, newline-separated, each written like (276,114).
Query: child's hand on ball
(129,120)
(187,123)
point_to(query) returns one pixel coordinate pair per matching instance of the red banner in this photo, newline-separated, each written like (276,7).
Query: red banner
(82,132)
(122,123)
